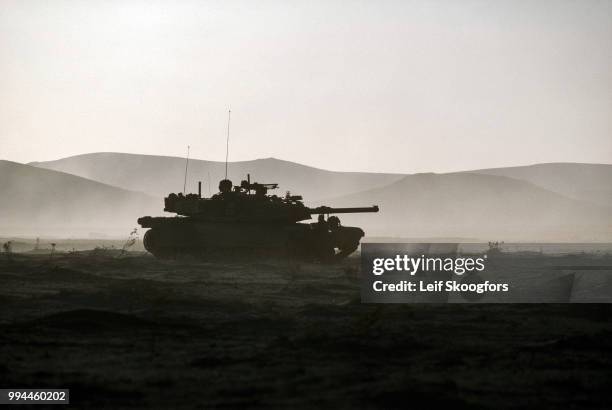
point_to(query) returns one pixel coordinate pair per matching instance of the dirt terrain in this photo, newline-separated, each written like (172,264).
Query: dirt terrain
(132,332)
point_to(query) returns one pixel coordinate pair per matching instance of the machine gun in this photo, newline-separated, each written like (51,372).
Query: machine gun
(260,189)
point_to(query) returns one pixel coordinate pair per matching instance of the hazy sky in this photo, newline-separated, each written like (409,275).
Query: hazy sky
(404,86)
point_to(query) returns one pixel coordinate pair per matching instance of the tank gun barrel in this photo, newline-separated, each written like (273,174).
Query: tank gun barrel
(330,210)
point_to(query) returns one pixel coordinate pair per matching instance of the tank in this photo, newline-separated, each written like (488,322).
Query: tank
(245,220)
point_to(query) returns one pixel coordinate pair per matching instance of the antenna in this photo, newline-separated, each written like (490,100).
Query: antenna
(229,116)
(186,165)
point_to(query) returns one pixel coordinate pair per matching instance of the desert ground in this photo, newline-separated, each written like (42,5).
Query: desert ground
(130,331)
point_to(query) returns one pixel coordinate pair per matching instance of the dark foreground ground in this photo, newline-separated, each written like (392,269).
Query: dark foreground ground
(137,332)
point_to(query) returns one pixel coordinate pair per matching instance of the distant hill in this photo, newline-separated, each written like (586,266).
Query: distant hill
(585,182)
(158,175)
(477,206)
(38,201)
(546,202)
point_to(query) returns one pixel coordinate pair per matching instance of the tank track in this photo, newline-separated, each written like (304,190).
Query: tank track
(175,241)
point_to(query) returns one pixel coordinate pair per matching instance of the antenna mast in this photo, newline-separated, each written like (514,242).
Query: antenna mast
(229,116)
(186,165)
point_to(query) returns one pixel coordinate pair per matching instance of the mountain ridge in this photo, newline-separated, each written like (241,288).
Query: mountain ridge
(40,201)
(479,205)
(159,175)
(511,203)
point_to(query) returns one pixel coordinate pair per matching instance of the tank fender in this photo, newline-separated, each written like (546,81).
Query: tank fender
(146,222)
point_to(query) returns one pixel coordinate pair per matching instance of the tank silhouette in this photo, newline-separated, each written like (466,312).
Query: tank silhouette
(245,220)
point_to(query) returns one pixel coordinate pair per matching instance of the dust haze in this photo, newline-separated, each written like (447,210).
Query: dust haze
(103,194)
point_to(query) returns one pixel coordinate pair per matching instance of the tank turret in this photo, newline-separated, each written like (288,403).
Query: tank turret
(246,219)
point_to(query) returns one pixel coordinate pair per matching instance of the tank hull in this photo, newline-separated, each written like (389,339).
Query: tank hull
(170,238)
